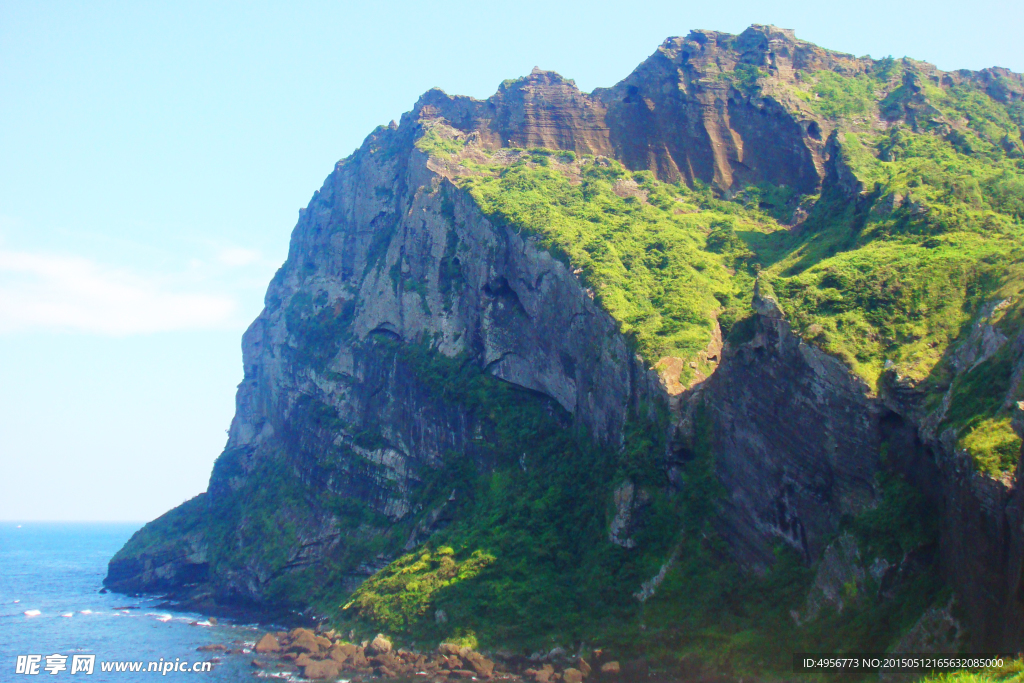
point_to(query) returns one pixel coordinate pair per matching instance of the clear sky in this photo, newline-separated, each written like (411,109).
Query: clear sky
(153,157)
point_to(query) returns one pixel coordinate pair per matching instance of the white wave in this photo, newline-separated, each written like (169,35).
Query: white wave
(68,615)
(32,613)
(85,611)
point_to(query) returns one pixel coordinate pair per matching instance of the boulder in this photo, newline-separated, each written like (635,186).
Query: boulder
(304,642)
(348,648)
(324,643)
(211,648)
(571,675)
(267,643)
(544,674)
(337,655)
(321,670)
(480,664)
(378,646)
(304,660)
(584,667)
(387,659)
(611,668)
(448,649)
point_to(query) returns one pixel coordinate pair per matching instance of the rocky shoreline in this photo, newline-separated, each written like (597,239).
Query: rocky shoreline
(327,656)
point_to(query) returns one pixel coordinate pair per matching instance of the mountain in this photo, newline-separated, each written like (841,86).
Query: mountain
(723,361)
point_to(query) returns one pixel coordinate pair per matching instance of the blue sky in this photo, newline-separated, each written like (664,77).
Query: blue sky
(153,157)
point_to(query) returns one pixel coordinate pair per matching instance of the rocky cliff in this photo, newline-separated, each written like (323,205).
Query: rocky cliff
(637,345)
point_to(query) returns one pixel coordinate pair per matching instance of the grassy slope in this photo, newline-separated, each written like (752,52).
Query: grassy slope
(894,277)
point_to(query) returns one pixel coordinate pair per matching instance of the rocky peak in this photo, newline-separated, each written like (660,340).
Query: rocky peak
(546,110)
(687,113)
(682,113)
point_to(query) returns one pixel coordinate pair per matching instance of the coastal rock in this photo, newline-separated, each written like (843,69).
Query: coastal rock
(322,670)
(544,674)
(483,667)
(268,643)
(378,646)
(448,649)
(571,675)
(584,667)
(304,640)
(611,668)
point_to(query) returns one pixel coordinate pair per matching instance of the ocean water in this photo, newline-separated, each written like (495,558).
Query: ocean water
(57,569)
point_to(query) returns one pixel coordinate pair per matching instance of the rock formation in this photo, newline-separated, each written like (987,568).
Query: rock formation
(393,263)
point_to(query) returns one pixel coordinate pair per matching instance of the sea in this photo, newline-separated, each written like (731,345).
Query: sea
(51,575)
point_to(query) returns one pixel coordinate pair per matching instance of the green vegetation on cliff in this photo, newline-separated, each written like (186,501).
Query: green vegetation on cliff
(526,553)
(920,224)
(528,563)
(642,246)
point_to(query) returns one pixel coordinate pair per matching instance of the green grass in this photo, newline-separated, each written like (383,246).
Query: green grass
(838,97)
(439,141)
(402,593)
(1012,671)
(993,444)
(663,259)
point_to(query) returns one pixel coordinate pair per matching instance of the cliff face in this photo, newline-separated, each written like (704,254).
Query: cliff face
(797,442)
(389,253)
(400,291)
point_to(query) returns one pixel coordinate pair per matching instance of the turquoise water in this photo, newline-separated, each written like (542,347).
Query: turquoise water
(58,569)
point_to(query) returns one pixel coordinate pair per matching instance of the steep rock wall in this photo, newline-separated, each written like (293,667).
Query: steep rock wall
(390,254)
(796,439)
